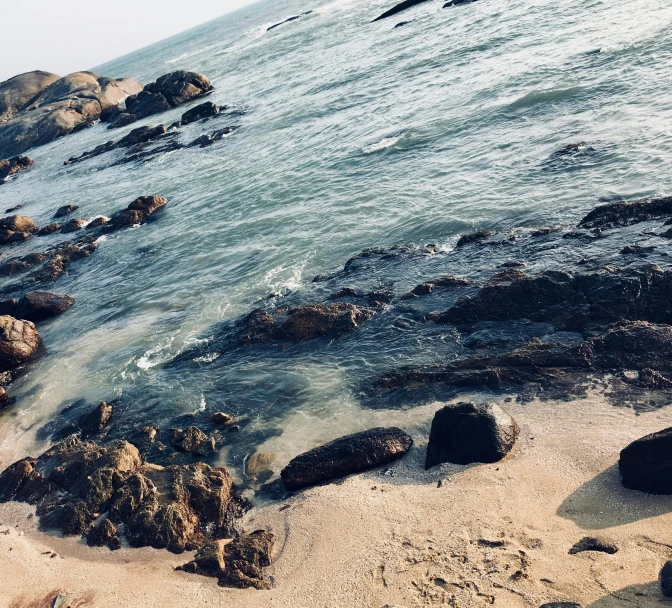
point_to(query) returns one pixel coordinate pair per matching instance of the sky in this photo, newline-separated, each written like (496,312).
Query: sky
(65,37)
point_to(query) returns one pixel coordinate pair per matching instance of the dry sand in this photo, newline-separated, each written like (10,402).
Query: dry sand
(490,534)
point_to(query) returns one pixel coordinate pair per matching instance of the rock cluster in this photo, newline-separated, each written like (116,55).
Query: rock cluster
(13,166)
(169,91)
(16,228)
(38,107)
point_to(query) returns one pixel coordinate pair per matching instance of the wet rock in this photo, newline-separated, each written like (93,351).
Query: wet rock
(294,18)
(62,107)
(65,210)
(258,466)
(18,223)
(573,149)
(457,3)
(97,222)
(49,229)
(428,287)
(210,138)
(39,305)
(345,456)
(402,6)
(13,166)
(623,213)
(74,481)
(474,237)
(636,250)
(199,112)
(222,418)
(76,223)
(136,213)
(169,91)
(8,236)
(91,423)
(4,398)
(18,341)
(402,24)
(194,441)
(466,432)
(101,533)
(18,265)
(646,464)
(666,579)
(591,543)
(239,563)
(141,135)
(60,258)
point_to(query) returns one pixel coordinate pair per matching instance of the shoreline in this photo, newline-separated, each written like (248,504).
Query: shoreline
(348,544)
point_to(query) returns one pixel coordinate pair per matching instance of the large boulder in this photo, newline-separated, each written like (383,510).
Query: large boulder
(169,91)
(17,92)
(646,464)
(345,456)
(18,341)
(468,432)
(66,105)
(39,305)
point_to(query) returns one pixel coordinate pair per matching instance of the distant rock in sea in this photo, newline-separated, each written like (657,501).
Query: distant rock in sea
(402,6)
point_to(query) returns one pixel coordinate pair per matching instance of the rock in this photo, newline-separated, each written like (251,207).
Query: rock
(18,223)
(623,213)
(39,305)
(402,6)
(646,464)
(60,259)
(561,605)
(466,432)
(194,441)
(74,481)
(294,18)
(239,563)
(62,107)
(199,112)
(345,456)
(210,138)
(591,543)
(258,466)
(465,239)
(49,229)
(89,424)
(169,91)
(18,341)
(7,236)
(4,397)
(636,250)
(141,135)
(666,579)
(401,24)
(457,3)
(101,533)
(222,418)
(13,166)
(17,92)
(136,213)
(76,223)
(447,280)
(65,210)
(97,222)
(8,307)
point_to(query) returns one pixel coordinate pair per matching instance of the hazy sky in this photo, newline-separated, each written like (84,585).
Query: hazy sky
(64,37)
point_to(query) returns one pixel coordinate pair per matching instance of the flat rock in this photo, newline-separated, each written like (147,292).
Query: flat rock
(345,456)
(466,432)
(646,464)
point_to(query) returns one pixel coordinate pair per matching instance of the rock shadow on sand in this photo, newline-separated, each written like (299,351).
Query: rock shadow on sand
(641,596)
(603,502)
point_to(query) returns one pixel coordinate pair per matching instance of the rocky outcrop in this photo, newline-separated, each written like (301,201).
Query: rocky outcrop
(447,280)
(63,106)
(18,341)
(17,92)
(194,441)
(16,228)
(646,464)
(474,237)
(13,166)
(288,20)
(75,482)
(345,456)
(623,213)
(239,563)
(466,432)
(402,6)
(90,423)
(169,91)
(37,305)
(592,543)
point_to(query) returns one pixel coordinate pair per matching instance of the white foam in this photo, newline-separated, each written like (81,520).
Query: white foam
(384,143)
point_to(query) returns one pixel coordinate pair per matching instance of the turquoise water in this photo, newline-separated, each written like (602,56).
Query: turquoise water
(356,134)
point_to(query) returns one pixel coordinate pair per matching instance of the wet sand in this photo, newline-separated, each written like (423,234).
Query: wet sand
(490,534)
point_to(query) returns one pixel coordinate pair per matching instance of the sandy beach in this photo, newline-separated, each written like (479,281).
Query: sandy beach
(494,534)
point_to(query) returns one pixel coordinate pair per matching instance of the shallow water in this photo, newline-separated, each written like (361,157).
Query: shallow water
(356,134)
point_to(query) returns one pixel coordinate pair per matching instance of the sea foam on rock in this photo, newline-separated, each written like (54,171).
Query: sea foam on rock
(467,432)
(345,456)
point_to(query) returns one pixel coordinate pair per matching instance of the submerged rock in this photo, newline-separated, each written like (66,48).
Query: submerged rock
(402,6)
(591,543)
(13,166)
(161,507)
(345,456)
(474,237)
(239,563)
(466,432)
(646,464)
(18,341)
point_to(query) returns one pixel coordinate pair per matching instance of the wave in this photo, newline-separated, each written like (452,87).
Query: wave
(544,96)
(383,144)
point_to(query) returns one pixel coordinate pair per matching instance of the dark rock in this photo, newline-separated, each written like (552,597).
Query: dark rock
(210,138)
(194,441)
(623,213)
(666,579)
(39,305)
(89,424)
(65,210)
(457,3)
(49,229)
(136,213)
(345,456)
(76,223)
(402,23)
(60,258)
(636,250)
(18,341)
(646,464)
(101,533)
(4,398)
(18,223)
(466,432)
(561,605)
(222,418)
(199,112)
(97,222)
(8,236)
(402,6)
(428,287)
(591,543)
(294,18)
(239,563)
(141,135)
(13,209)
(13,166)
(465,239)
(8,307)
